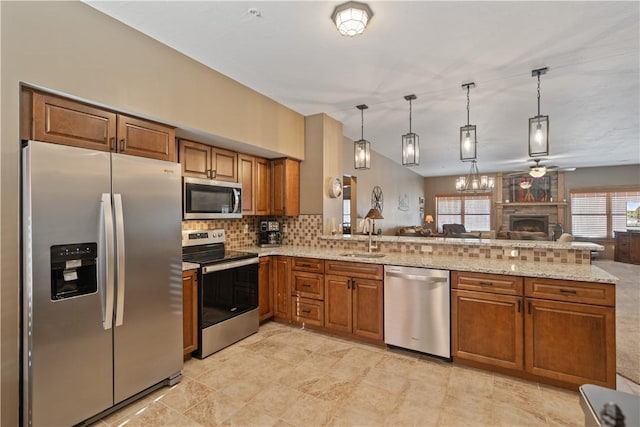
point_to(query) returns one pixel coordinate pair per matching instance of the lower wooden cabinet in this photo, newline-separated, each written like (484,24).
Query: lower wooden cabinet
(265,292)
(189,312)
(487,328)
(281,282)
(627,247)
(547,330)
(307,312)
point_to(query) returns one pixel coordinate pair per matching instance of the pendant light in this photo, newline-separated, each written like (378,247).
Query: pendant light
(410,142)
(361,148)
(539,125)
(468,133)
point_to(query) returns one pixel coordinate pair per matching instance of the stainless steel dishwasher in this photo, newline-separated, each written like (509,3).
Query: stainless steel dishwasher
(417,309)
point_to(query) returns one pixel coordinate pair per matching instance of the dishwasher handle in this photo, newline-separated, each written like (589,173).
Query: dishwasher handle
(429,279)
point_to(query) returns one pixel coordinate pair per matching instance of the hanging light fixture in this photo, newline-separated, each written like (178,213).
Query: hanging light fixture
(361,148)
(351,18)
(539,125)
(474,182)
(410,142)
(468,133)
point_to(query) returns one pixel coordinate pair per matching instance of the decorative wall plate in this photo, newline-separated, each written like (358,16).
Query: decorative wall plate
(377,198)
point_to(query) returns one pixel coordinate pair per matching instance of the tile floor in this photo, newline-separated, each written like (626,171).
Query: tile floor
(283,376)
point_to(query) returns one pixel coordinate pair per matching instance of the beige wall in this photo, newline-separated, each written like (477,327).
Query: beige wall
(71,48)
(395,181)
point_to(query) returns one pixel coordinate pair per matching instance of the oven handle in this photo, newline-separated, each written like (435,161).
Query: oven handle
(229,265)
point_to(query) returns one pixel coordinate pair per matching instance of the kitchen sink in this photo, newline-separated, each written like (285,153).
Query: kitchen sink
(363,255)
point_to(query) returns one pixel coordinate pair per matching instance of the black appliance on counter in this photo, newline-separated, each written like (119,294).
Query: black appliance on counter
(227,290)
(269,235)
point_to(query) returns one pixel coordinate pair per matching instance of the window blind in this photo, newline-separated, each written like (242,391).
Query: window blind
(598,214)
(472,211)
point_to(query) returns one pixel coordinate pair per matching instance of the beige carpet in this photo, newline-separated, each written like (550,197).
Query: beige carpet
(627,317)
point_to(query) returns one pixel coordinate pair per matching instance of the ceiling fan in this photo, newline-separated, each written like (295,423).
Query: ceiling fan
(539,170)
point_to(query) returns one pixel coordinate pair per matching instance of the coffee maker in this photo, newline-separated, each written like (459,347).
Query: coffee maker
(270,234)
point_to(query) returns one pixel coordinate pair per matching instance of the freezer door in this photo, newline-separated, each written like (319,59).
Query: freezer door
(148,321)
(67,346)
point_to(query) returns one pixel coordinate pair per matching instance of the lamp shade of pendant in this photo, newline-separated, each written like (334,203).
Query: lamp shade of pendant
(539,136)
(410,142)
(361,148)
(468,143)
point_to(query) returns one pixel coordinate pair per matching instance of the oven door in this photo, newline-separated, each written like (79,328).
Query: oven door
(228,304)
(206,199)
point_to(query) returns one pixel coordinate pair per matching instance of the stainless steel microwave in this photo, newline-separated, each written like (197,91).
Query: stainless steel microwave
(207,199)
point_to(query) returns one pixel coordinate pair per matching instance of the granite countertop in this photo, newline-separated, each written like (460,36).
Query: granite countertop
(189,266)
(535,244)
(587,272)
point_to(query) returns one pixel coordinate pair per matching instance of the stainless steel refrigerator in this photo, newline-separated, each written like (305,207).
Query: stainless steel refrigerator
(102,280)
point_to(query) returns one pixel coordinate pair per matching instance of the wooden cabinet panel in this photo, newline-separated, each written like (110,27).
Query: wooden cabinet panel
(262,188)
(308,285)
(338,303)
(354,269)
(487,328)
(282,288)
(573,343)
(307,312)
(146,139)
(63,121)
(224,165)
(285,187)
(265,293)
(189,312)
(627,247)
(484,282)
(311,265)
(571,291)
(368,308)
(195,159)
(247,177)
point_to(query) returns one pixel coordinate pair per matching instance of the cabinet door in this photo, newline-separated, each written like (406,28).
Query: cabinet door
(338,303)
(146,139)
(195,159)
(246,177)
(573,343)
(189,311)
(282,287)
(487,328)
(634,248)
(67,122)
(262,190)
(285,187)
(368,308)
(224,165)
(265,294)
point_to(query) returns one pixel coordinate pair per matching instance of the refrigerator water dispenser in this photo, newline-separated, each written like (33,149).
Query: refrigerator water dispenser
(73,270)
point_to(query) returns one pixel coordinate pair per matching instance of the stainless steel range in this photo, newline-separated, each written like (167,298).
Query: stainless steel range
(227,290)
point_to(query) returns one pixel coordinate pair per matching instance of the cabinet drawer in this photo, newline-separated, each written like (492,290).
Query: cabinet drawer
(566,290)
(354,269)
(311,265)
(307,311)
(309,285)
(484,282)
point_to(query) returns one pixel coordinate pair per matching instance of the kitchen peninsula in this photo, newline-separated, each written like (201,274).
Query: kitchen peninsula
(521,308)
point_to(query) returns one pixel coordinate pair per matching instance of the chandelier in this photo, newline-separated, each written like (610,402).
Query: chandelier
(474,182)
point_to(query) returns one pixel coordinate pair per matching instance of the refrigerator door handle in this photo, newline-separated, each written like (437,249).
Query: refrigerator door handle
(108,285)
(117,204)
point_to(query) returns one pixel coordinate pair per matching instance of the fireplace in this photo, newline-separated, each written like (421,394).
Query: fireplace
(529,223)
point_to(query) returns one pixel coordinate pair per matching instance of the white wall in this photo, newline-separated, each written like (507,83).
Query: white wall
(395,180)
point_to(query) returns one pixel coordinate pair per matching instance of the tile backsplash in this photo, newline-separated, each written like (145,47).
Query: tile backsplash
(306,231)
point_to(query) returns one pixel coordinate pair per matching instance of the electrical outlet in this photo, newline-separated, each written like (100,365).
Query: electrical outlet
(246,228)
(426,248)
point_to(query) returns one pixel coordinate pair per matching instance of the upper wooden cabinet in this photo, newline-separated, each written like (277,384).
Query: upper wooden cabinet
(285,187)
(253,174)
(50,118)
(262,188)
(204,161)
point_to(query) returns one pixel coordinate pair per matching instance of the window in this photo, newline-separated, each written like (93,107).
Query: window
(598,214)
(472,211)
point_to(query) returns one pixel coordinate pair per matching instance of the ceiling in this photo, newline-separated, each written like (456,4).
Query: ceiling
(292,53)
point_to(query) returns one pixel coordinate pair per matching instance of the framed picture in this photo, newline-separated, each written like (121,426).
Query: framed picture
(529,189)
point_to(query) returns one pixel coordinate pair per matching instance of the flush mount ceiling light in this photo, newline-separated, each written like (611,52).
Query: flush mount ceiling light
(539,125)
(474,183)
(468,133)
(351,18)
(410,142)
(361,148)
